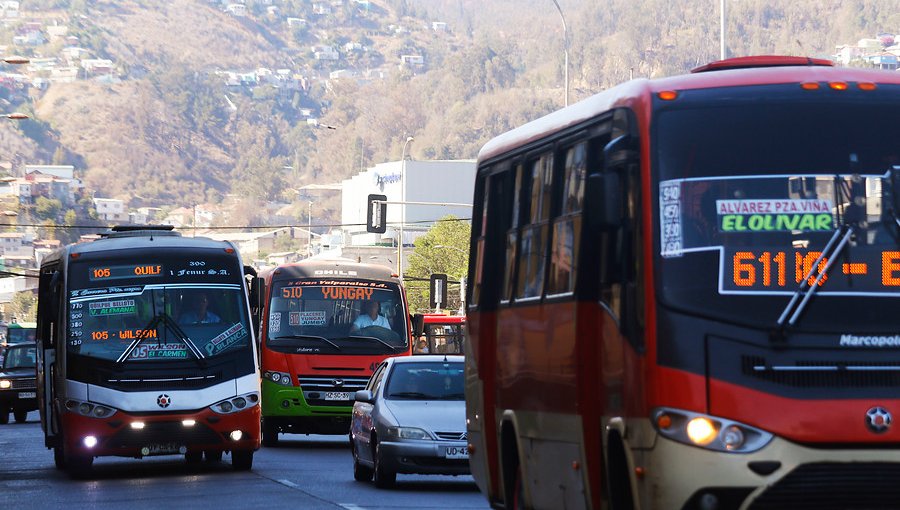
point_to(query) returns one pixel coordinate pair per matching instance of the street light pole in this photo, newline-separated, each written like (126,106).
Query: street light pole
(402,208)
(565,49)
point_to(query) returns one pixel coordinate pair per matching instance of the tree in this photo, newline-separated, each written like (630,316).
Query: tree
(444,249)
(23,307)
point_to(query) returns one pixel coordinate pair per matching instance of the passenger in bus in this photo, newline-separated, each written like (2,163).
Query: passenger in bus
(201,314)
(370,316)
(421,346)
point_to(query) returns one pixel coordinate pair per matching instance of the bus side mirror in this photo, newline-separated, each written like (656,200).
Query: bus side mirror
(418,321)
(604,194)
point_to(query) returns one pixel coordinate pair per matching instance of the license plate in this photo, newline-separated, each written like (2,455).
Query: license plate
(27,394)
(338,395)
(457,452)
(163,448)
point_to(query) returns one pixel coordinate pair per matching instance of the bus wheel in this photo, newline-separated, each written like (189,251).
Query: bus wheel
(21,415)
(242,460)
(213,456)
(269,433)
(360,473)
(59,457)
(617,480)
(518,491)
(79,466)
(384,477)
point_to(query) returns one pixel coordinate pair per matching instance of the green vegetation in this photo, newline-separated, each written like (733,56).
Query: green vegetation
(443,250)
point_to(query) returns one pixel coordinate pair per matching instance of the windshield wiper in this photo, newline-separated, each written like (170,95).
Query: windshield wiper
(382,342)
(308,337)
(167,321)
(412,394)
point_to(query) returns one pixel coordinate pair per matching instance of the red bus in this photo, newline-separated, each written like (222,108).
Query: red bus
(442,334)
(324,326)
(683,295)
(145,347)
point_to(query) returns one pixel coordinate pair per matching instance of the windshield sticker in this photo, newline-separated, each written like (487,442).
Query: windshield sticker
(774,215)
(314,318)
(294,318)
(670,220)
(226,339)
(159,351)
(275,322)
(870,341)
(120,307)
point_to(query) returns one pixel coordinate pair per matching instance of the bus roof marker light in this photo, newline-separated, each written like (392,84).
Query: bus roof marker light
(838,85)
(668,95)
(809,85)
(865,85)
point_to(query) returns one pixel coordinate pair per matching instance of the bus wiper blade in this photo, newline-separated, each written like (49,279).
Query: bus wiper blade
(168,321)
(308,337)
(843,234)
(382,342)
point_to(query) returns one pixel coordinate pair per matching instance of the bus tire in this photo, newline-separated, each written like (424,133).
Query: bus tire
(213,456)
(384,477)
(269,434)
(242,460)
(59,457)
(79,466)
(618,482)
(193,458)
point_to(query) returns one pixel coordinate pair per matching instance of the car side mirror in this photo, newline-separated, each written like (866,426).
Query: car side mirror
(364,396)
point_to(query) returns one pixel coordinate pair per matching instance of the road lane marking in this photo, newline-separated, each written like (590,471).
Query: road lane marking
(288,483)
(350,506)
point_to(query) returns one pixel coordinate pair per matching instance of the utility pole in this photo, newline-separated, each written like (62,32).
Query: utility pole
(722,30)
(565,49)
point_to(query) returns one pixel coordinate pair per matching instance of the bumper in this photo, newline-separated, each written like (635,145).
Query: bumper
(781,475)
(288,410)
(12,399)
(162,433)
(423,457)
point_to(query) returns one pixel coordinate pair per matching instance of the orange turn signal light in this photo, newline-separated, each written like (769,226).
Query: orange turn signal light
(663,421)
(668,95)
(864,85)
(810,85)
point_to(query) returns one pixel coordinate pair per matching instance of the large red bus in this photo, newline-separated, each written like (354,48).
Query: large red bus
(683,295)
(442,334)
(146,347)
(324,327)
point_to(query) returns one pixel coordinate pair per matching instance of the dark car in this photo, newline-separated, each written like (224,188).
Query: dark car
(411,418)
(17,383)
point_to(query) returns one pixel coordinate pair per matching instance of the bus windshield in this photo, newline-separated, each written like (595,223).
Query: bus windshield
(748,204)
(336,317)
(159,323)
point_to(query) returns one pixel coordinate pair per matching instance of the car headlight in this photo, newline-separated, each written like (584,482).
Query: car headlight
(278,377)
(407,433)
(236,403)
(708,432)
(89,409)
(5,385)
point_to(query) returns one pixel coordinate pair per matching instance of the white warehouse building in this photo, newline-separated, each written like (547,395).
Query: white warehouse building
(449,182)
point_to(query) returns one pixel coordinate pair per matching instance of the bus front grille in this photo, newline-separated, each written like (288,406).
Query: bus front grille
(835,486)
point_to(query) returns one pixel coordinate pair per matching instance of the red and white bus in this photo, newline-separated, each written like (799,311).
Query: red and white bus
(442,334)
(683,295)
(319,345)
(146,347)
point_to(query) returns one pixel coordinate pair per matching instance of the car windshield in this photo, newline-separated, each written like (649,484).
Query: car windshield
(159,322)
(19,357)
(336,317)
(748,205)
(426,381)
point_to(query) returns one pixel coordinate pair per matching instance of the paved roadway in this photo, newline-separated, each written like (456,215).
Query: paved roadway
(308,472)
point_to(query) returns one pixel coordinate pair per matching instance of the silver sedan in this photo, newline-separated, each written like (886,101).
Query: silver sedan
(411,418)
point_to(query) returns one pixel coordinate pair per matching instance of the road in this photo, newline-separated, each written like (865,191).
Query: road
(309,472)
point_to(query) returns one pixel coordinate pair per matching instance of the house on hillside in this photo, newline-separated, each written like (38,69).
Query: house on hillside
(884,60)
(111,210)
(296,22)
(238,10)
(96,66)
(411,61)
(438,26)
(321,52)
(9,9)
(57,32)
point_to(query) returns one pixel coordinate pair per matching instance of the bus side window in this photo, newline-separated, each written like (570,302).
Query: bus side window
(567,226)
(532,247)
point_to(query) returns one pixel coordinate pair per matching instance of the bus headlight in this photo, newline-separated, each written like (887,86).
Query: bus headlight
(281,378)
(709,432)
(235,404)
(89,409)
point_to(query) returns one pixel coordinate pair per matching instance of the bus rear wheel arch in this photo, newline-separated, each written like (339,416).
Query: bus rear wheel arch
(513,477)
(617,479)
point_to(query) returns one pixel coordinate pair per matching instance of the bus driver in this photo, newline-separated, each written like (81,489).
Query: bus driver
(370,317)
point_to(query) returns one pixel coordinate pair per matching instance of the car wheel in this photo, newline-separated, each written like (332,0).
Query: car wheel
(4,416)
(213,456)
(360,473)
(242,460)
(269,434)
(21,415)
(193,458)
(384,477)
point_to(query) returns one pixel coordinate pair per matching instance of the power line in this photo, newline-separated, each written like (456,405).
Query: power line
(242,227)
